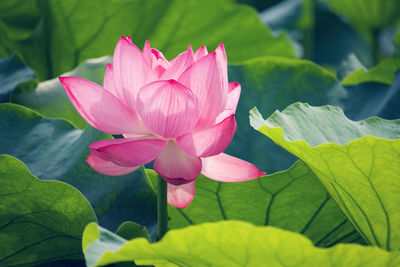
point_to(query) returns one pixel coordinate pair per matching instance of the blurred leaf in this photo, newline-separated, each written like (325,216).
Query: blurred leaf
(367,14)
(384,72)
(358,163)
(293,200)
(49,97)
(230,243)
(273,83)
(39,220)
(73,31)
(131,230)
(12,72)
(54,149)
(289,14)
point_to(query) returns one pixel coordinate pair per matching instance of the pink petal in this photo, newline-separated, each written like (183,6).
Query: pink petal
(147,52)
(200,53)
(100,108)
(205,79)
(155,59)
(234,91)
(179,65)
(176,166)
(211,141)
(180,196)
(168,108)
(131,71)
(109,83)
(128,152)
(225,168)
(108,167)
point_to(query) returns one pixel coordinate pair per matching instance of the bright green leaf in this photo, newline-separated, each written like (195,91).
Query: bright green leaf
(293,200)
(76,30)
(358,163)
(39,220)
(230,243)
(54,149)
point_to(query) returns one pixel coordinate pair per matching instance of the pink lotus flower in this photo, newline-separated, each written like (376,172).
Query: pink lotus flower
(179,113)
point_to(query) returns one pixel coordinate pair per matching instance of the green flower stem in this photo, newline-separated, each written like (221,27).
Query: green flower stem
(162,212)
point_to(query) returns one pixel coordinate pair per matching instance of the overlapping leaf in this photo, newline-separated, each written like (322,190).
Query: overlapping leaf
(358,163)
(229,243)
(293,200)
(273,83)
(54,149)
(40,221)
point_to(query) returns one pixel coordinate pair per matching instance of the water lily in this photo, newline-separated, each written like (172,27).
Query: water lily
(179,113)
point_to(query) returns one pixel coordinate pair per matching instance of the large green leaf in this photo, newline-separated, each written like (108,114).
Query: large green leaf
(49,97)
(293,200)
(273,83)
(73,31)
(230,243)
(39,220)
(54,149)
(368,14)
(358,162)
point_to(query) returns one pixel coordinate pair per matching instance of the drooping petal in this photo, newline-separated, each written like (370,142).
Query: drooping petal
(179,65)
(205,79)
(100,108)
(234,90)
(128,152)
(168,108)
(211,141)
(225,168)
(180,196)
(108,167)
(131,71)
(176,166)
(200,53)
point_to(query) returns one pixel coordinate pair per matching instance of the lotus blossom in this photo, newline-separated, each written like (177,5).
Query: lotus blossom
(179,113)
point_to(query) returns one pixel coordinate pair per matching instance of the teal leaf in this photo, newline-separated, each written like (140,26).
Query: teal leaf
(54,149)
(228,243)
(357,162)
(12,72)
(40,221)
(293,200)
